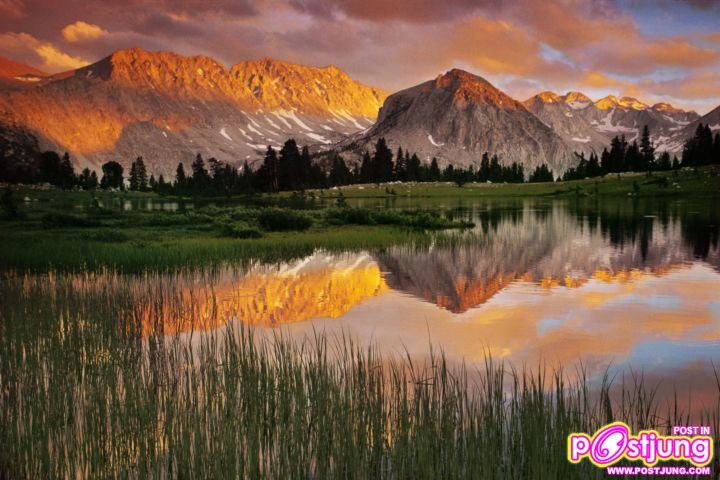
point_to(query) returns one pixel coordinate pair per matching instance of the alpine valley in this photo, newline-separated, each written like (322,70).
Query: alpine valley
(168,108)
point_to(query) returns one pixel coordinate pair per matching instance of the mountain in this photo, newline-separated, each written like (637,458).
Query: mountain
(459,116)
(562,114)
(589,126)
(168,108)
(17,75)
(676,140)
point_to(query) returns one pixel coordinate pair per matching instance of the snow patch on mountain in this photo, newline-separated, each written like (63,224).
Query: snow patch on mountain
(432,140)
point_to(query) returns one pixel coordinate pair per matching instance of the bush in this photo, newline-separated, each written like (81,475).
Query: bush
(346,216)
(67,220)
(282,219)
(238,230)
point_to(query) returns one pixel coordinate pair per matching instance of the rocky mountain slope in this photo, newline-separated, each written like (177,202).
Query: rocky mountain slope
(168,108)
(589,126)
(459,116)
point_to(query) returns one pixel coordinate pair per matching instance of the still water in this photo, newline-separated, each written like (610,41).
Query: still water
(633,287)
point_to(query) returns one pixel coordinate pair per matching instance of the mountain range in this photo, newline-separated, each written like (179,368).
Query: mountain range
(168,108)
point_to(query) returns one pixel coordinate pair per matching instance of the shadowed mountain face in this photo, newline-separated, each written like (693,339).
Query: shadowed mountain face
(589,126)
(557,247)
(168,108)
(459,116)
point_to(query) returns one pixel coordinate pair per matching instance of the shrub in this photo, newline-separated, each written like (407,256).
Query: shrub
(346,216)
(238,230)
(282,219)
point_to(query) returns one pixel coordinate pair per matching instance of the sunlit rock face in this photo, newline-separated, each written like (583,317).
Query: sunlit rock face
(458,117)
(549,249)
(168,108)
(320,286)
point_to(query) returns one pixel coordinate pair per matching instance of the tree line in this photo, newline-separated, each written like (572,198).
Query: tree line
(292,168)
(699,150)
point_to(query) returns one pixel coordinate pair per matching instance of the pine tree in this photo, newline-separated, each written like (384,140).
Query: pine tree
(67,173)
(413,168)
(267,175)
(339,172)
(288,166)
(647,150)
(382,162)
(180,178)
(434,173)
(541,174)
(366,169)
(484,172)
(664,162)
(200,179)
(305,169)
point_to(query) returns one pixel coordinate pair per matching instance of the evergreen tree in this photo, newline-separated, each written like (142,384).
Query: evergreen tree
(87,180)
(366,169)
(382,162)
(664,162)
(138,175)
(305,170)
(200,178)
(647,150)
(401,166)
(495,174)
(288,166)
(434,172)
(633,159)
(616,159)
(484,172)
(267,175)
(339,172)
(152,183)
(67,173)
(413,168)
(541,174)
(180,178)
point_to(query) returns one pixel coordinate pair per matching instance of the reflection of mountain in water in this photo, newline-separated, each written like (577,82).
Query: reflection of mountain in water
(550,247)
(318,286)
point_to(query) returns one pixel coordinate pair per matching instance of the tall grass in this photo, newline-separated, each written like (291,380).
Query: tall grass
(91,388)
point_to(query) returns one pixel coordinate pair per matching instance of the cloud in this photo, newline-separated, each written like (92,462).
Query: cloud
(43,55)
(81,31)
(409,11)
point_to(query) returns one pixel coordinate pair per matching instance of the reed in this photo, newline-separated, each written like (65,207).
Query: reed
(107,375)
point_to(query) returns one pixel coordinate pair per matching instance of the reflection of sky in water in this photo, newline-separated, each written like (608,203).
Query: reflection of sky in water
(528,287)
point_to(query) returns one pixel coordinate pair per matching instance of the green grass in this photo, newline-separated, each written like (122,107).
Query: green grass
(89,391)
(137,240)
(685,183)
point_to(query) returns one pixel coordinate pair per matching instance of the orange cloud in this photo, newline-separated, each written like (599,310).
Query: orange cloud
(81,31)
(48,56)
(498,47)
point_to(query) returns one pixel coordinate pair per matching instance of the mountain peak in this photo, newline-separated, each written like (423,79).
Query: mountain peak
(549,97)
(625,103)
(469,88)
(573,96)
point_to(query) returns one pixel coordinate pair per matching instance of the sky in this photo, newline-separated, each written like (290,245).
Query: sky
(663,50)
